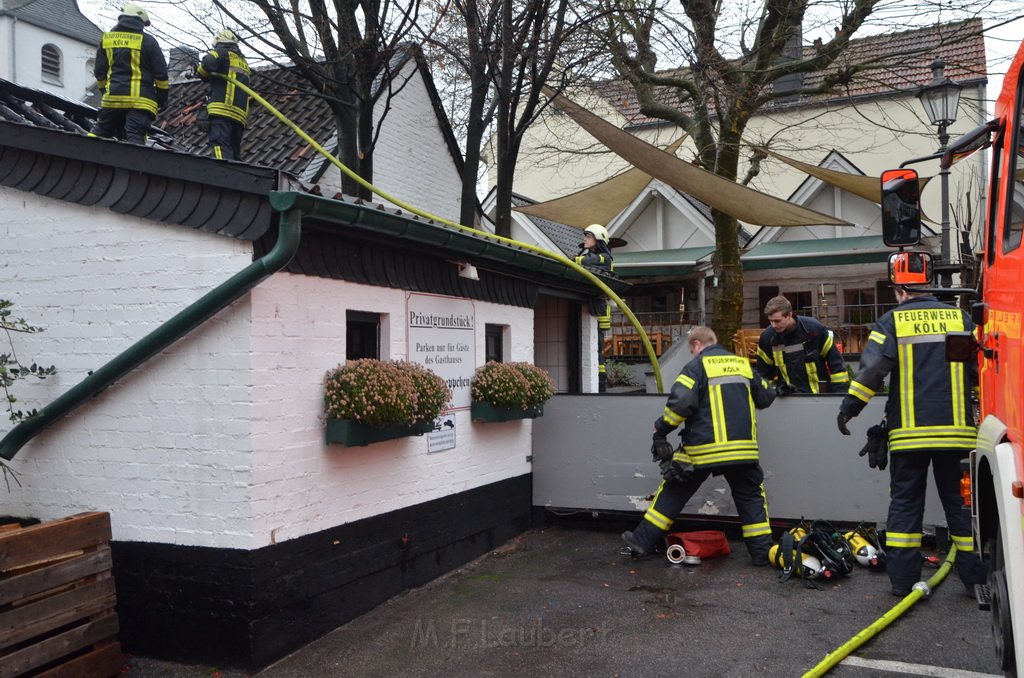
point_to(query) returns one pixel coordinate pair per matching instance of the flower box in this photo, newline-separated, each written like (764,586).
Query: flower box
(484,411)
(351,433)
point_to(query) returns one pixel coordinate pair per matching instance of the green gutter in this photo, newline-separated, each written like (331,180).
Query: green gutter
(288,236)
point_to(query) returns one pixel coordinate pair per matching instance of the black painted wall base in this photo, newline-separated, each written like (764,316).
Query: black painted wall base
(246,609)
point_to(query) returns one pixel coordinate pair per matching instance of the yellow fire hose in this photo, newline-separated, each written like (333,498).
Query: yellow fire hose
(557,256)
(868,633)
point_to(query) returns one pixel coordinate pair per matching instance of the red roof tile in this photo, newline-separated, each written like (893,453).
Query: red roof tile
(905,65)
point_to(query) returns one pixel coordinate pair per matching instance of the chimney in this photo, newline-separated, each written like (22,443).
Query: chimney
(182,63)
(792,51)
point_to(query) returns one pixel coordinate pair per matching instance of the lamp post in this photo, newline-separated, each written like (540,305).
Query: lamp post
(940,99)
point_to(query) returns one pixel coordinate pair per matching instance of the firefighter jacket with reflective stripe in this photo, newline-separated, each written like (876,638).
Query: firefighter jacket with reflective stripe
(929,405)
(599,258)
(715,396)
(130,68)
(226,99)
(806,356)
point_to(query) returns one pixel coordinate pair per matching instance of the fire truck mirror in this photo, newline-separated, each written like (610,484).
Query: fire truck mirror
(910,268)
(901,208)
(979,313)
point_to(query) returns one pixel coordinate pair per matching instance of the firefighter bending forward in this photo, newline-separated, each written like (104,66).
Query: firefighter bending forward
(229,105)
(715,397)
(930,419)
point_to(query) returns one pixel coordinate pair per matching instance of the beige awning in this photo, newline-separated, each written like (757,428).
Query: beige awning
(599,203)
(869,188)
(736,200)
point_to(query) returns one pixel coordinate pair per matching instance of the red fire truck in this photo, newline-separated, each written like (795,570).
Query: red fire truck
(996,473)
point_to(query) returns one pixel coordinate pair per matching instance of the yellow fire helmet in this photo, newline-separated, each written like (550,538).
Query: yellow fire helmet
(134,9)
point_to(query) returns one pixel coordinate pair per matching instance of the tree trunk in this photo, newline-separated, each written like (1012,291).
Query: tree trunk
(471,165)
(727,267)
(364,150)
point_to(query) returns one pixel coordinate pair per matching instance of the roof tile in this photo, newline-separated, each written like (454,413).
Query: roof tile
(905,59)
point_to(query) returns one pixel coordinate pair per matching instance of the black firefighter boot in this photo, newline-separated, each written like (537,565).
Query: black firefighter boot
(758,548)
(642,539)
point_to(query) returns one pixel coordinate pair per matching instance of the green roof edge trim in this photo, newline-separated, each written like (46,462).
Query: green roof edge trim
(378,221)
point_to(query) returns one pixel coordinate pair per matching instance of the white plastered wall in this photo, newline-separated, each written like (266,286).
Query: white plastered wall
(166,450)
(219,440)
(300,484)
(21,47)
(410,144)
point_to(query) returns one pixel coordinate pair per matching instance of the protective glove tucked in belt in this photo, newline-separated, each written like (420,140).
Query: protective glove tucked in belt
(674,469)
(877,447)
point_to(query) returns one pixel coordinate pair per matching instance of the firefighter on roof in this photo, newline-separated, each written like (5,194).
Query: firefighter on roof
(715,397)
(131,72)
(799,354)
(930,420)
(228,108)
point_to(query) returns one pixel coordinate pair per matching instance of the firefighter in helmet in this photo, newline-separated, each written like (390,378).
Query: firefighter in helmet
(228,107)
(714,398)
(930,420)
(597,255)
(131,72)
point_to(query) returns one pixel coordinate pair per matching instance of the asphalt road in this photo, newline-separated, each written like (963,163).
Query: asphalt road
(562,601)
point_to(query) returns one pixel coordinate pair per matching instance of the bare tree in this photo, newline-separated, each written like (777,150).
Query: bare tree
(463,38)
(723,59)
(505,50)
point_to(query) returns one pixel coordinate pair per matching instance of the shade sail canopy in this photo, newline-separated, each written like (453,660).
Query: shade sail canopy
(869,188)
(598,204)
(736,200)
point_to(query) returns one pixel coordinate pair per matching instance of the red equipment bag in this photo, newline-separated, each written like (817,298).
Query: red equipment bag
(702,543)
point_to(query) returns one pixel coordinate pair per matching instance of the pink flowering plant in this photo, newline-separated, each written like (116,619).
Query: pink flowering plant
(384,393)
(512,385)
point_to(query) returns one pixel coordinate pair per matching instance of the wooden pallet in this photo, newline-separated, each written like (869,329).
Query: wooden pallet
(57,600)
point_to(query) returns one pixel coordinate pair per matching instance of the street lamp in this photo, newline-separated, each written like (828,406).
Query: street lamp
(940,99)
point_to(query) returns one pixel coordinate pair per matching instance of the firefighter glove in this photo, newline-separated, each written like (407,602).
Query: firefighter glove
(661,449)
(877,447)
(161,99)
(673,469)
(841,422)
(784,389)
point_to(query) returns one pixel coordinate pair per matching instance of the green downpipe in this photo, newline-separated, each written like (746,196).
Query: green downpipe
(289,232)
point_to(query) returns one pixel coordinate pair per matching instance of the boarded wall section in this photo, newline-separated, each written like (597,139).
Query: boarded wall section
(592,452)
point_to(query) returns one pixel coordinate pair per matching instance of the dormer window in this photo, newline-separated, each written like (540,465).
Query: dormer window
(51,63)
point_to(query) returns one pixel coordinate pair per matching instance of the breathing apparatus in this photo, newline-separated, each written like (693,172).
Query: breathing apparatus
(866,546)
(830,554)
(607,291)
(809,567)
